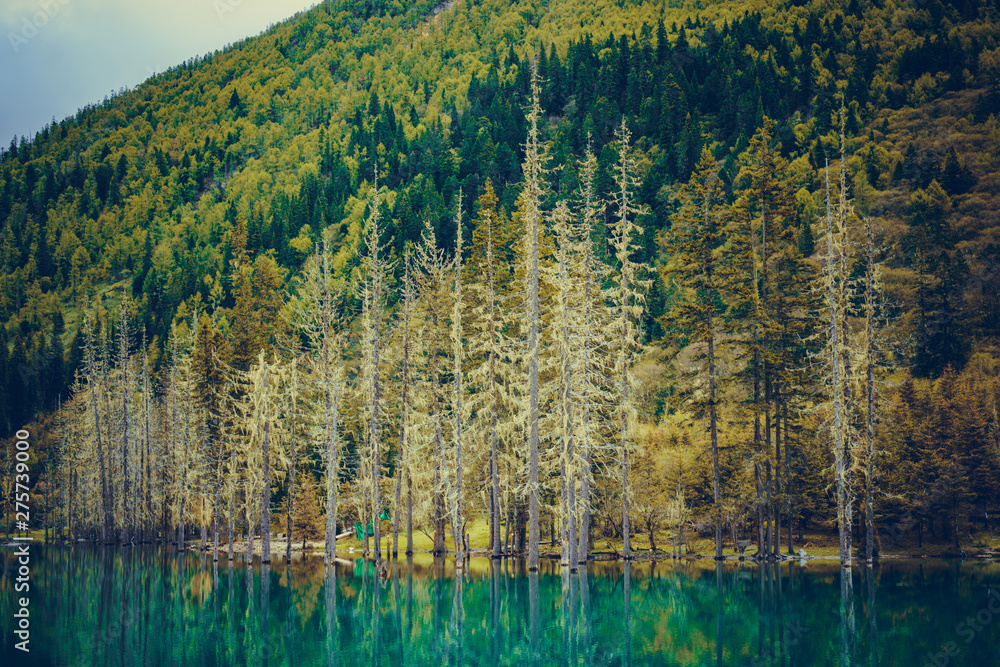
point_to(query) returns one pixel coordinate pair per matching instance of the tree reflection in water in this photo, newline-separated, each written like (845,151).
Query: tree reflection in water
(146,606)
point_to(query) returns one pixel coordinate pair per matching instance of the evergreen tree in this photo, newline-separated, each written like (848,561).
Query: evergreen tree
(306,514)
(697,240)
(628,298)
(534,189)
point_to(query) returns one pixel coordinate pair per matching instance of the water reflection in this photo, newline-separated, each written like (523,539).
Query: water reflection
(145,606)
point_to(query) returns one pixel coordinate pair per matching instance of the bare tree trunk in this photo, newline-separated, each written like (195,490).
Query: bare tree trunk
(409,514)
(788,474)
(204,527)
(232,502)
(584,547)
(777,472)
(181,540)
(770,504)
(105,500)
(376,437)
(761,546)
(331,388)
(870,358)
(848,412)
(839,441)
(215,527)
(458,528)
(567,517)
(714,433)
(533,194)
(494,476)
(147,447)
(403,457)
(395,510)
(265,495)
(766,373)
(123,370)
(439,510)
(292,452)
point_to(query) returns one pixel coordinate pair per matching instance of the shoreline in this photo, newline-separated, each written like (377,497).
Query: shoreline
(278,553)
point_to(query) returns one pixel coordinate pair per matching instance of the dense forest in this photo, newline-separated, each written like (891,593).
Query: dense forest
(602,268)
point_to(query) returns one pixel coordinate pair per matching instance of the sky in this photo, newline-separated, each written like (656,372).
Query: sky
(57,56)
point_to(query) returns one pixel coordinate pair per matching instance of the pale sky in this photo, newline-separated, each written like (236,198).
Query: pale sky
(57,56)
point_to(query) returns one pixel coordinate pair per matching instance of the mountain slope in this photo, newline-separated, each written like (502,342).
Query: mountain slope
(284,130)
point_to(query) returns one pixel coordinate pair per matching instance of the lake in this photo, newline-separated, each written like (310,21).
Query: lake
(147,606)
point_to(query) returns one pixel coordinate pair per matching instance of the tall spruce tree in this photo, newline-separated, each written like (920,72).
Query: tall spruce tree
(696,243)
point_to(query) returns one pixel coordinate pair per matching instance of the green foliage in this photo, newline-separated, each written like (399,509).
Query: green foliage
(204,189)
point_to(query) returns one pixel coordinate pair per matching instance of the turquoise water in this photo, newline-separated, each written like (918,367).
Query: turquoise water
(144,606)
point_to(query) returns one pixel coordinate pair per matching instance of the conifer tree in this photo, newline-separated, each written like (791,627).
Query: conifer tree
(533,190)
(845,211)
(567,323)
(124,391)
(432,281)
(488,348)
(244,339)
(93,372)
(628,302)
(261,396)
(697,240)
(596,331)
(209,379)
(762,237)
(293,475)
(458,526)
(313,309)
(148,408)
(871,363)
(307,516)
(835,375)
(375,268)
(182,399)
(404,456)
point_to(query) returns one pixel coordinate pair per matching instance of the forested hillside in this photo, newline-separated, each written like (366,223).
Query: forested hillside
(161,250)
